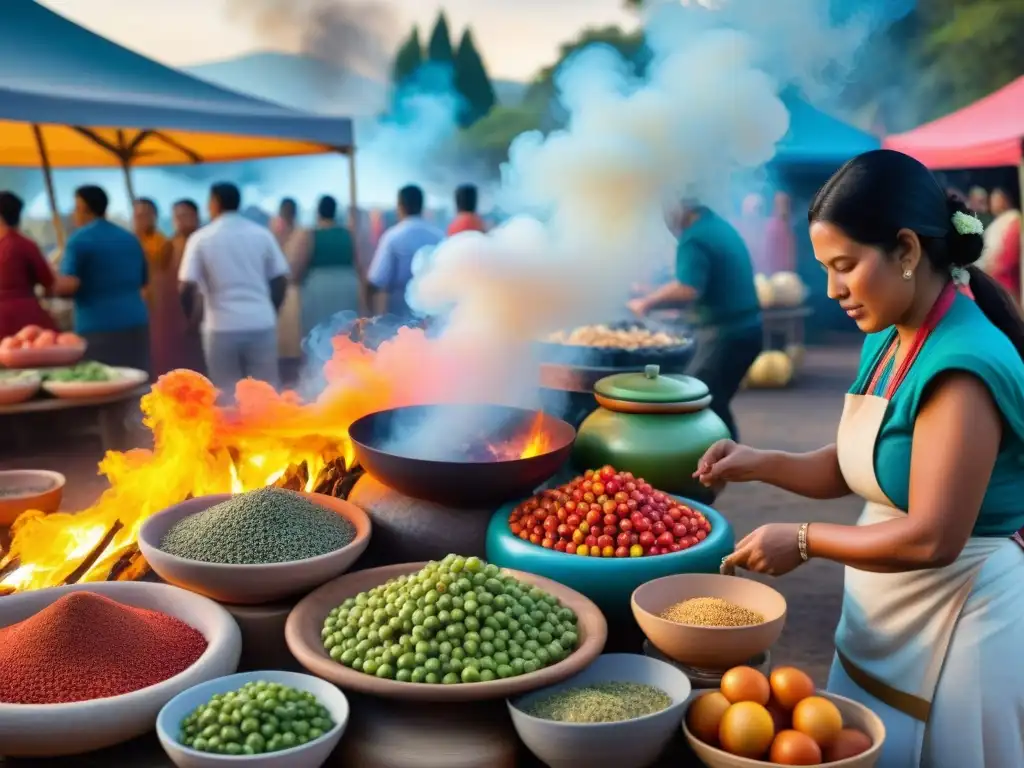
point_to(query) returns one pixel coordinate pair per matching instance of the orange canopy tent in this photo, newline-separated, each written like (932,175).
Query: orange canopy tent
(986,134)
(72,99)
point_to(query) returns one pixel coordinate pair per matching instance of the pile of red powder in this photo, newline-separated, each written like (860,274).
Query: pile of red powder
(85,646)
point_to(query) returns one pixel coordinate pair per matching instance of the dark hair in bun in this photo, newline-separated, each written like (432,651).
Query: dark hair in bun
(878,193)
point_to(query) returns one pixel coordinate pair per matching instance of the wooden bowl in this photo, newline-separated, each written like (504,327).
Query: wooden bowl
(855,715)
(250,584)
(709,647)
(51,730)
(25,489)
(302,633)
(609,582)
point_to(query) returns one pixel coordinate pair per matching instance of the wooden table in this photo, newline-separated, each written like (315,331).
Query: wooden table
(785,322)
(110,415)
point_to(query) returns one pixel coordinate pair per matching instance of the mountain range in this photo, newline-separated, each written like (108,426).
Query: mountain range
(310,84)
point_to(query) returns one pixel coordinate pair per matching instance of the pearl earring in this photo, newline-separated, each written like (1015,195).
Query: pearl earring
(907,274)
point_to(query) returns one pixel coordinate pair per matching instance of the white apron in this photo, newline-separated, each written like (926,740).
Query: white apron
(936,653)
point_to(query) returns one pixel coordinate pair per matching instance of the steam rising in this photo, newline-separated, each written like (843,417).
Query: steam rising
(594,192)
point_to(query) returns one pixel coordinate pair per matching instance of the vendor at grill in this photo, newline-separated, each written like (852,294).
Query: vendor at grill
(932,437)
(715,276)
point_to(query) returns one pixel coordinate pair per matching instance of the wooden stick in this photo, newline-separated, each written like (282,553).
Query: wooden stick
(94,555)
(122,562)
(12,566)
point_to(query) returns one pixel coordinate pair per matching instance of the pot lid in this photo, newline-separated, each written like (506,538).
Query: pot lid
(652,386)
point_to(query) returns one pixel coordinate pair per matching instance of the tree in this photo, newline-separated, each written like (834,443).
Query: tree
(408,59)
(439,49)
(472,82)
(492,135)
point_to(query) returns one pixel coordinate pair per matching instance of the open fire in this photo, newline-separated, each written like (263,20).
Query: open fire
(268,438)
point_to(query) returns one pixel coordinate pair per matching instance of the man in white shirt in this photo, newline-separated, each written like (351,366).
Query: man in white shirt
(239,269)
(391,268)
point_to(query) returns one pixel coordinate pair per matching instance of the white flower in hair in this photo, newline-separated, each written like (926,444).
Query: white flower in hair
(966,224)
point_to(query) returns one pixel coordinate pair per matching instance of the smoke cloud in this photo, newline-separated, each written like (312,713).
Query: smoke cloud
(354,35)
(593,194)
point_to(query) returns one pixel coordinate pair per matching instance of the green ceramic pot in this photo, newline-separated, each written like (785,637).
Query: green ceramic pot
(655,425)
(609,582)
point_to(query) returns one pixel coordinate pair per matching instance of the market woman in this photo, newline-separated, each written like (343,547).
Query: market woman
(932,437)
(22,268)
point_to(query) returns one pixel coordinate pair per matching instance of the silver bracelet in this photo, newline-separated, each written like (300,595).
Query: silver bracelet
(801,541)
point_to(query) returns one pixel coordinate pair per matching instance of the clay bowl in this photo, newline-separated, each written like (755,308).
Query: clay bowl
(855,715)
(25,489)
(302,633)
(309,755)
(708,647)
(14,391)
(628,744)
(51,730)
(445,475)
(609,582)
(249,584)
(44,357)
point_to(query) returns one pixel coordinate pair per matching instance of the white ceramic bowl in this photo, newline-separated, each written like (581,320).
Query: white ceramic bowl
(628,744)
(14,391)
(250,584)
(124,380)
(50,730)
(311,755)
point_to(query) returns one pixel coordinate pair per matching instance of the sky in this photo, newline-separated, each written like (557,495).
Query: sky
(516,37)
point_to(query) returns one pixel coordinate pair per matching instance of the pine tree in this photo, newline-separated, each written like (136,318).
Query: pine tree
(408,59)
(472,82)
(439,49)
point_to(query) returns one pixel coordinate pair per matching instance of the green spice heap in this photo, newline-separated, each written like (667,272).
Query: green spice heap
(601,703)
(456,621)
(270,525)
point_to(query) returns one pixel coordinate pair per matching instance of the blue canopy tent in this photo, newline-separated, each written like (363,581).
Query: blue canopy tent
(72,99)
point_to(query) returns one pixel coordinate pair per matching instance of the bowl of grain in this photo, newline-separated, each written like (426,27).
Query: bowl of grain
(620,712)
(255,547)
(709,621)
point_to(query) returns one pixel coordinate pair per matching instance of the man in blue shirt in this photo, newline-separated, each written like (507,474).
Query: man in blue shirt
(391,268)
(715,276)
(104,270)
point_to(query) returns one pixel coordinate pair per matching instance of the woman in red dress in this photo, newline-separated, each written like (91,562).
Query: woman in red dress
(22,268)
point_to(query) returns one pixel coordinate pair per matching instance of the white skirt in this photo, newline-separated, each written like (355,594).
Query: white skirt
(977,716)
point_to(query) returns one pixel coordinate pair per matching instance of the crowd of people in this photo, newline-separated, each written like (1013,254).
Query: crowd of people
(212,297)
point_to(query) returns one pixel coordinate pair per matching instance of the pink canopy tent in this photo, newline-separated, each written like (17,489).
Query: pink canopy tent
(986,134)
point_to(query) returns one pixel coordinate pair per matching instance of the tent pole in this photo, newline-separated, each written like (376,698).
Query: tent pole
(58,224)
(353,218)
(127,171)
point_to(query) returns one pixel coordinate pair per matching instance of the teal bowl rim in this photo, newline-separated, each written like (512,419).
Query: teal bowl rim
(160,726)
(721,529)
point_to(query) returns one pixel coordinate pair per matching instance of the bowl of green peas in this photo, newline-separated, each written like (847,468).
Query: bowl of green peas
(268,719)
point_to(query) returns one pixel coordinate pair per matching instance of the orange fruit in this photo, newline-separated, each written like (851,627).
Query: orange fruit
(705,716)
(790,686)
(819,718)
(794,748)
(746,730)
(745,684)
(849,743)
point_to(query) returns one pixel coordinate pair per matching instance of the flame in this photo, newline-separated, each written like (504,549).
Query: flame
(200,448)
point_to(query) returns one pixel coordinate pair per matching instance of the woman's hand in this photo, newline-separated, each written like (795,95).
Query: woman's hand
(772,549)
(728,462)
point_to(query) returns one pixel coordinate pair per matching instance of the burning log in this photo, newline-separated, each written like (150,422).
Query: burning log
(295,477)
(131,566)
(94,554)
(345,484)
(13,565)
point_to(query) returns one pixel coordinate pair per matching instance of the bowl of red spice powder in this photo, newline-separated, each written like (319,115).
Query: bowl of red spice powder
(88,666)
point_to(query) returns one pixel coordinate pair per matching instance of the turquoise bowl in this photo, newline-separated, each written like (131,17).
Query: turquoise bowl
(609,582)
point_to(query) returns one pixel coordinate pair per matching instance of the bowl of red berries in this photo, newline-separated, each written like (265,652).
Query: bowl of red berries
(606,532)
